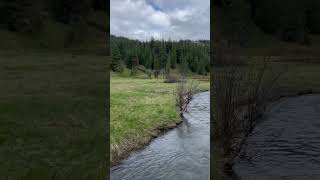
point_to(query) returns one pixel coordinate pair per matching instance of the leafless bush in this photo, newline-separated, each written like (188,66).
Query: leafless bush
(184,93)
(227,84)
(259,89)
(241,97)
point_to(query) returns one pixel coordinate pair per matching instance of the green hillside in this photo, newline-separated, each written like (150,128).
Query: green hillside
(262,32)
(54,25)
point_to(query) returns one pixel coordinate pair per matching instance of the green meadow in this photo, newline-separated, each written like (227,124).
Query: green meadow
(52,116)
(139,107)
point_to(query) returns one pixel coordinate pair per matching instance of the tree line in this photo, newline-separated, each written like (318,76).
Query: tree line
(30,16)
(159,55)
(290,20)
(19,15)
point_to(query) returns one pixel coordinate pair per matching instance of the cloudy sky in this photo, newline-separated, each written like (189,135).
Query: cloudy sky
(175,19)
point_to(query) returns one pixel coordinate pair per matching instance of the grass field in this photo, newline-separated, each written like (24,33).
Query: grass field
(299,77)
(52,116)
(138,107)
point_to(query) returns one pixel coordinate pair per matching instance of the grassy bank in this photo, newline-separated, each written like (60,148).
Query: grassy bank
(299,77)
(139,109)
(52,116)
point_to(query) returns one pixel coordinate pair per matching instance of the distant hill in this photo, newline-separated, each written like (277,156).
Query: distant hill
(54,24)
(286,27)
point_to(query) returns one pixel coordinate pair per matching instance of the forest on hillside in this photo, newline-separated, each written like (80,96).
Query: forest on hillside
(31,17)
(160,56)
(288,20)
(28,15)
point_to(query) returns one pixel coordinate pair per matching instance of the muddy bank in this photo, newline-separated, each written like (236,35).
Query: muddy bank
(286,143)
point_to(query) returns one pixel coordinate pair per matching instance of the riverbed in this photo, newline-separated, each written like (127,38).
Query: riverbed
(286,144)
(180,154)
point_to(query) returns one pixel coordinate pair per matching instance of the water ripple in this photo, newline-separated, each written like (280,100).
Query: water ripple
(287,144)
(180,154)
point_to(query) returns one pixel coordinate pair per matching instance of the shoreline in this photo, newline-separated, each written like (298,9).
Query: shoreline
(140,143)
(234,175)
(273,100)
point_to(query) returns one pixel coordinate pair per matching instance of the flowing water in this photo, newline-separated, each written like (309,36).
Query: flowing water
(181,154)
(286,145)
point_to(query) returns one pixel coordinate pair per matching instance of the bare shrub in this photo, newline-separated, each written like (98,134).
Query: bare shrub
(259,90)
(227,84)
(241,97)
(184,93)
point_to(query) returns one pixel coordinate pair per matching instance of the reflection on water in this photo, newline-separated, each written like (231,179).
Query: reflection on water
(180,154)
(286,145)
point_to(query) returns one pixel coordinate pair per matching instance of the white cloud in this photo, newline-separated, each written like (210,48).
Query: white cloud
(160,19)
(175,19)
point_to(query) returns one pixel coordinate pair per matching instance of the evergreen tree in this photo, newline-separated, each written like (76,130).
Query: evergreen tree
(148,60)
(163,55)
(116,63)
(168,66)
(156,55)
(135,64)
(184,68)
(173,58)
(156,63)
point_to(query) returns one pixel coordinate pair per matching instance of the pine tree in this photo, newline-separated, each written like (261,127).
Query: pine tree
(135,64)
(200,67)
(168,66)
(163,55)
(116,64)
(184,67)
(155,54)
(156,63)
(149,60)
(173,58)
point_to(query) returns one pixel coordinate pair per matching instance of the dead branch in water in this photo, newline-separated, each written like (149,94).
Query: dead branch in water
(184,93)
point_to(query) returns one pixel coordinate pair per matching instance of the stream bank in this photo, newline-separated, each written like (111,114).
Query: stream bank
(285,144)
(180,154)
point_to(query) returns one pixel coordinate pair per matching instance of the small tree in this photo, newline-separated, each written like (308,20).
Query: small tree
(135,64)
